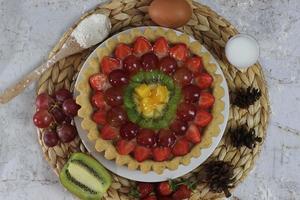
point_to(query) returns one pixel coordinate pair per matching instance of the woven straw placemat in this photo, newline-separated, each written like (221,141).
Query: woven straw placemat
(211,30)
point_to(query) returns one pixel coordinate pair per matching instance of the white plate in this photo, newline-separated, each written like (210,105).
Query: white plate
(152,176)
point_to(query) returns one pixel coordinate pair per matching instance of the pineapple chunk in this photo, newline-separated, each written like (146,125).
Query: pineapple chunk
(143,90)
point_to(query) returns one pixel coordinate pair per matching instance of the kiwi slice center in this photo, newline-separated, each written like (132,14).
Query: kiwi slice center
(85,177)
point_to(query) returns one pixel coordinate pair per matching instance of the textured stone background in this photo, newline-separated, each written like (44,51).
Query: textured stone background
(28,30)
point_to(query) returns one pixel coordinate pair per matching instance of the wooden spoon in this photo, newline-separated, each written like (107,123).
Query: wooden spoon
(70,47)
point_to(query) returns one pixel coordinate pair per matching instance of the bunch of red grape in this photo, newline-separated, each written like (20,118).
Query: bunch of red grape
(54,114)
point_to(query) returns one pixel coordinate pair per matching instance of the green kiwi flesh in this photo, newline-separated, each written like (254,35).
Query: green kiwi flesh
(83,176)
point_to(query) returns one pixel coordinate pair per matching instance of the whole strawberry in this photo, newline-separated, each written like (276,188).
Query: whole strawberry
(144,189)
(165,188)
(183,192)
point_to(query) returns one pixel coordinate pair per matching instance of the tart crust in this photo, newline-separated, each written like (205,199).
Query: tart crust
(106,146)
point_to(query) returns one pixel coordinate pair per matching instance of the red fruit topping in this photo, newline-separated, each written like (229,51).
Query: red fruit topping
(129,130)
(151,197)
(161,153)
(62,94)
(164,188)
(179,52)
(116,116)
(203,118)
(118,78)
(179,127)
(141,153)
(181,147)
(42,119)
(186,112)
(146,137)
(98,82)
(70,107)
(132,64)
(149,61)
(125,147)
(98,100)
(141,46)
(194,64)
(50,138)
(109,64)
(204,80)
(191,93)
(144,189)
(168,65)
(183,192)
(99,117)
(206,100)
(44,101)
(122,51)
(108,132)
(66,132)
(161,47)
(166,138)
(193,134)
(114,96)
(183,76)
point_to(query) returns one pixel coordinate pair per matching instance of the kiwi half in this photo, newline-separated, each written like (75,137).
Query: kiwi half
(169,111)
(85,177)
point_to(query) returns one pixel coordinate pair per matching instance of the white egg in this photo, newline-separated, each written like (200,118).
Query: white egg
(242,51)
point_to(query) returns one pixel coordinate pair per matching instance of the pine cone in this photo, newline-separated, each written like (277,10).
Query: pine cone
(219,176)
(241,136)
(243,98)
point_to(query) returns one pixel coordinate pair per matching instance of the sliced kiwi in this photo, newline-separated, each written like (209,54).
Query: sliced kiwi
(133,115)
(138,78)
(85,177)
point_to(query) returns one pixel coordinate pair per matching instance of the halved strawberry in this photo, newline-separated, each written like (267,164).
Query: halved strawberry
(206,100)
(179,52)
(194,64)
(141,45)
(98,81)
(108,132)
(141,153)
(99,117)
(161,47)
(204,80)
(161,153)
(122,51)
(181,147)
(98,100)
(109,64)
(203,118)
(193,134)
(125,147)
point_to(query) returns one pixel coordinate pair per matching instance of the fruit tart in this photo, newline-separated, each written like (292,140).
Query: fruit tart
(151,100)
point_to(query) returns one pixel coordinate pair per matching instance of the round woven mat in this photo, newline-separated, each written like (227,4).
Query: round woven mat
(211,30)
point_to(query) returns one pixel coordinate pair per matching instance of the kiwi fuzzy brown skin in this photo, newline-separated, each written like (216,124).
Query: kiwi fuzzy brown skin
(91,167)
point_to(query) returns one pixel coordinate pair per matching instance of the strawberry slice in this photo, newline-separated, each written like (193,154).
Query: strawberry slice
(204,80)
(203,118)
(179,52)
(122,51)
(108,132)
(206,100)
(193,134)
(98,81)
(161,47)
(109,64)
(161,153)
(141,46)
(183,192)
(125,147)
(194,64)
(181,147)
(141,153)
(99,117)
(98,100)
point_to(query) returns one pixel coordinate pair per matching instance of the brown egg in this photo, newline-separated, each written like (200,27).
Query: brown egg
(170,13)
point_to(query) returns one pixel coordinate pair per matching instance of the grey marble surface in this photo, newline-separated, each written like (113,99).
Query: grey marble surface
(28,30)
